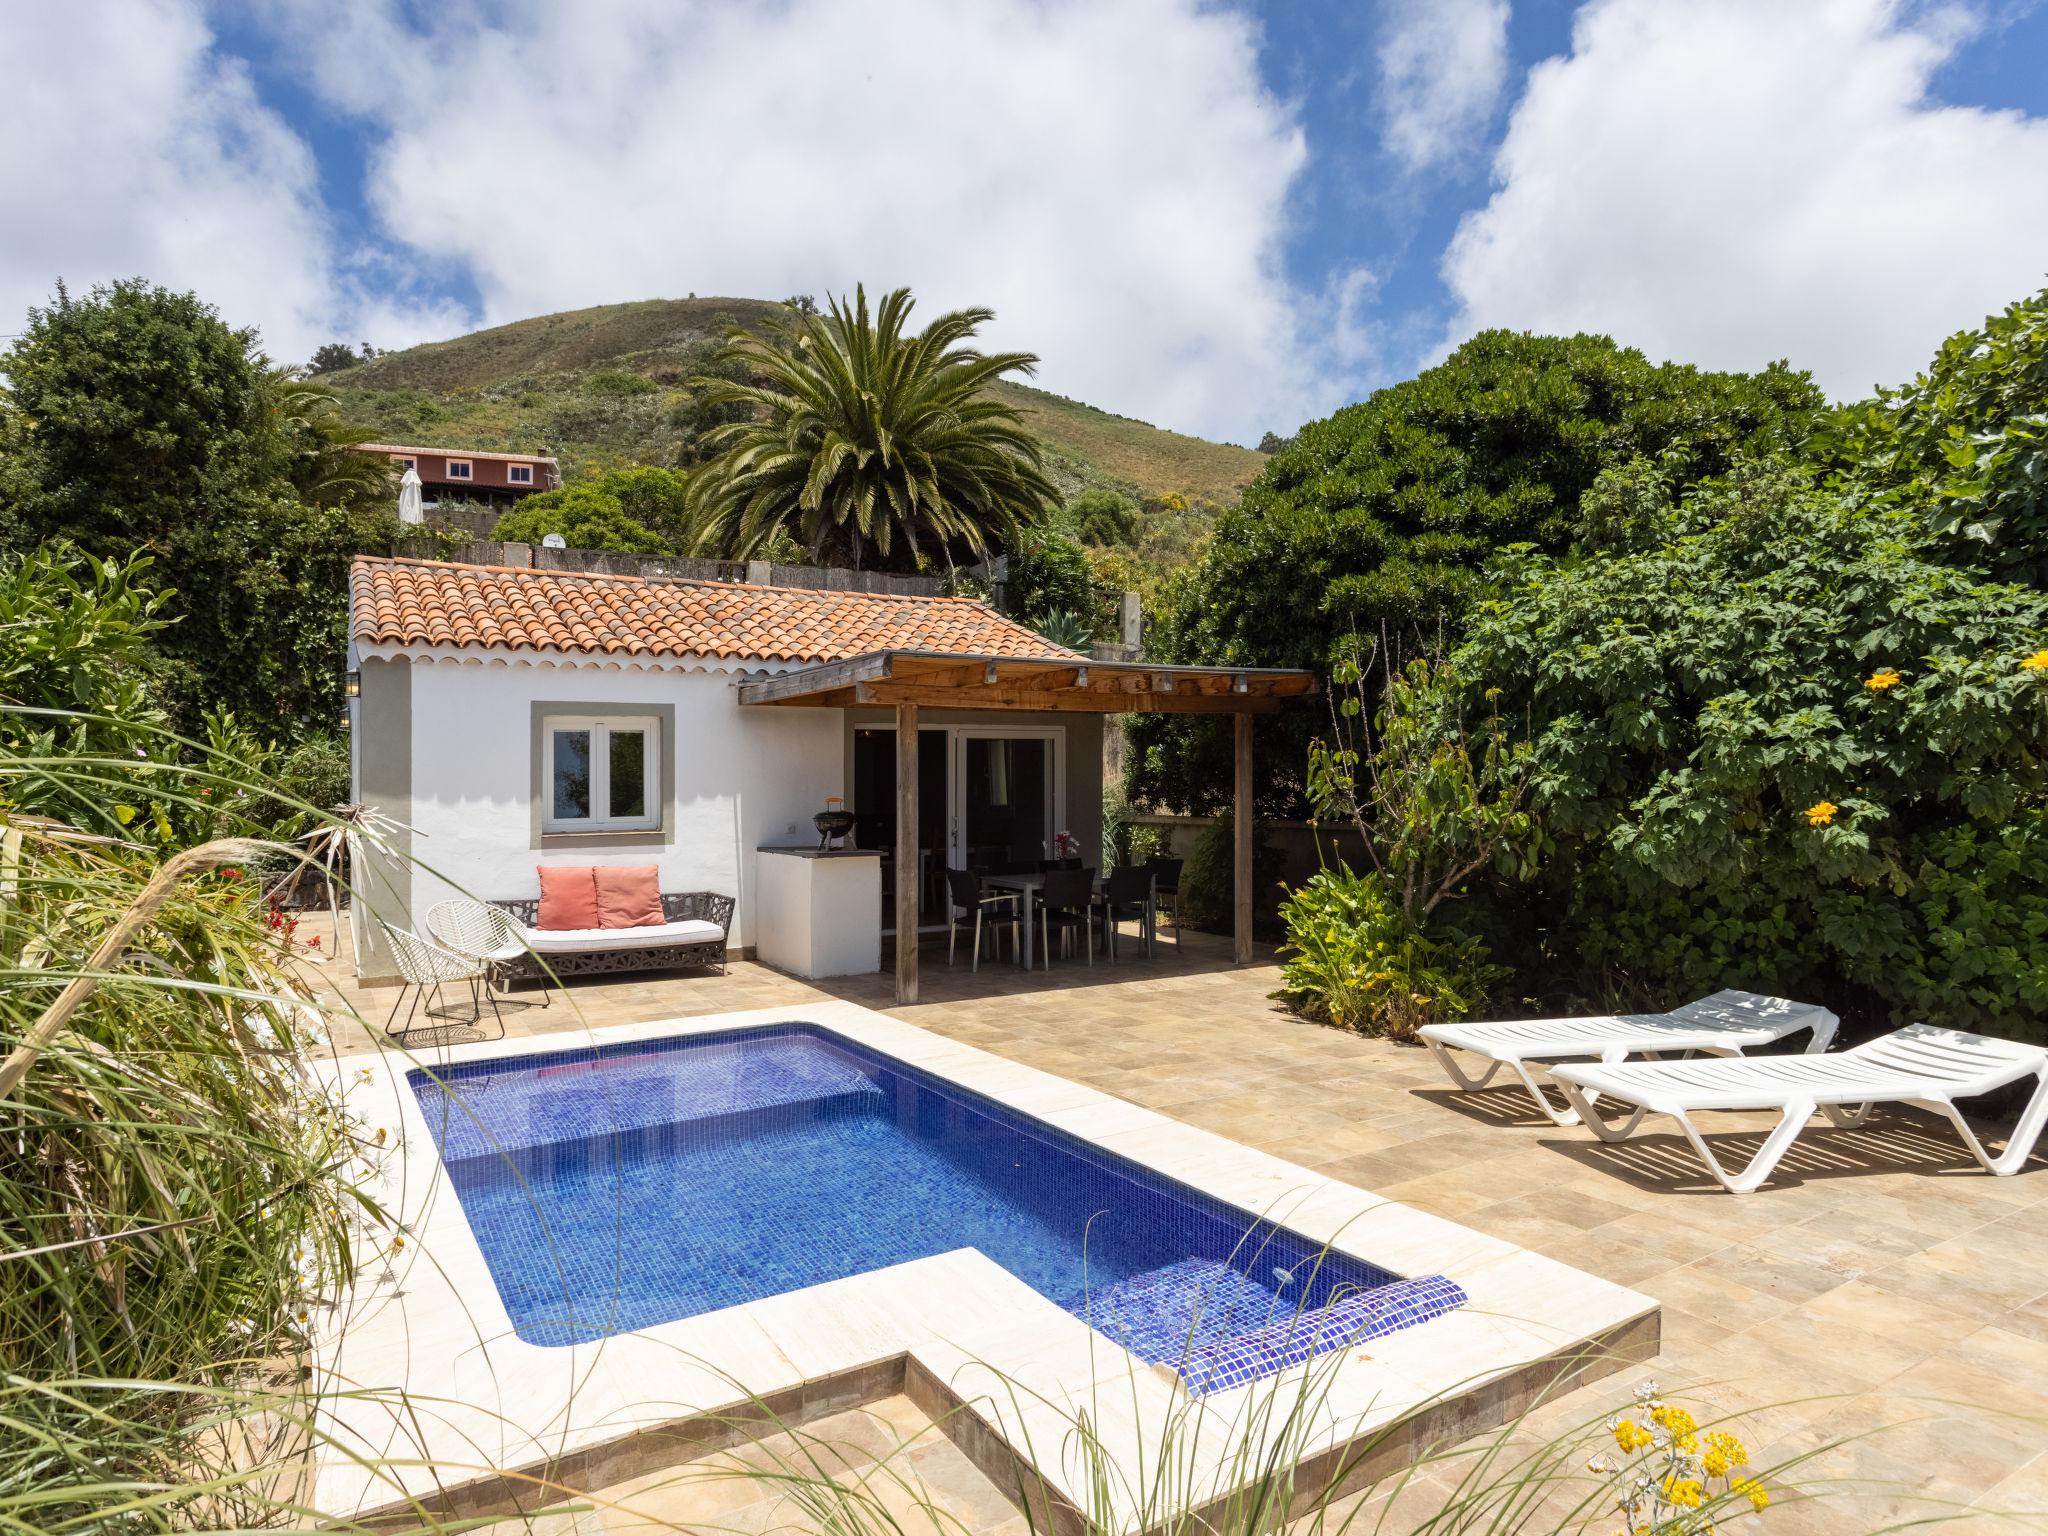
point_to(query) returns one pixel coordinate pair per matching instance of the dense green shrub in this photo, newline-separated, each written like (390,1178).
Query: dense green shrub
(1794,745)
(1382,518)
(1048,574)
(1355,959)
(1964,445)
(1100,516)
(617,384)
(1208,878)
(587,516)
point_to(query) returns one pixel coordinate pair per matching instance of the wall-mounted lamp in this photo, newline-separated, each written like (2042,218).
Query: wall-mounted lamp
(353,685)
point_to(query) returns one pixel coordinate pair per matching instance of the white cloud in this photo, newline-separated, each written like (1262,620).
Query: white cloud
(1731,181)
(1442,64)
(134,149)
(1112,179)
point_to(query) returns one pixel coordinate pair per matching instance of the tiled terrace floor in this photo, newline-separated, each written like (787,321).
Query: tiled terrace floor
(1882,1286)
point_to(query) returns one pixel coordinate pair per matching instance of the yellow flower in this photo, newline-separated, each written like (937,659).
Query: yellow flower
(1724,1452)
(398,1243)
(1752,1490)
(2038,662)
(1881,679)
(1630,1435)
(1823,813)
(1685,1492)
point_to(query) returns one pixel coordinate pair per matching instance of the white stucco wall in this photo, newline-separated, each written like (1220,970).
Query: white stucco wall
(742,777)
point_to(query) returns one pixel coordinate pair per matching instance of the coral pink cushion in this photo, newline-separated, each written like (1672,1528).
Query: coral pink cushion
(568,897)
(628,896)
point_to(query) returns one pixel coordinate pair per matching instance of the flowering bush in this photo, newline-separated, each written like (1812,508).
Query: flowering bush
(1770,748)
(1670,1477)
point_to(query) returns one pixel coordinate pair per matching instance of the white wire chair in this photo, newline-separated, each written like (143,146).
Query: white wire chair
(485,933)
(425,967)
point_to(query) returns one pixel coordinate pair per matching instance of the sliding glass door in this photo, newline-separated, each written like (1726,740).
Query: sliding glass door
(1003,799)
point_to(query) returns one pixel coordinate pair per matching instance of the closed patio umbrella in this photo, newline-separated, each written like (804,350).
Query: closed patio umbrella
(410,509)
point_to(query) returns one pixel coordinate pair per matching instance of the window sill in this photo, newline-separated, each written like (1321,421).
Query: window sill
(653,837)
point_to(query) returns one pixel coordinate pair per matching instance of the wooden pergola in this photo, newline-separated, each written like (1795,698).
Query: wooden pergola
(910,680)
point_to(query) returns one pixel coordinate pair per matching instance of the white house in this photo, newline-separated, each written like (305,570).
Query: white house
(506,718)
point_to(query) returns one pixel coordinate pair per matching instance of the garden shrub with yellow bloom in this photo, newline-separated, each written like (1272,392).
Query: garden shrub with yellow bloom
(1668,1478)
(1741,787)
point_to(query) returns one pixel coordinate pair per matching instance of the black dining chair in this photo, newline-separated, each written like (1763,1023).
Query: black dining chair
(1165,892)
(965,894)
(1066,904)
(1127,894)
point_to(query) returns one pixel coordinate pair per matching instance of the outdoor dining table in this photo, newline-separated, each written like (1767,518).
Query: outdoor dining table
(1028,887)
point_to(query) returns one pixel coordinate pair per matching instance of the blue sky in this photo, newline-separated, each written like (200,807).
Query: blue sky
(1220,218)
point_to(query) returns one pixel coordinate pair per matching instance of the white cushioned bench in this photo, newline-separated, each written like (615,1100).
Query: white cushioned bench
(695,934)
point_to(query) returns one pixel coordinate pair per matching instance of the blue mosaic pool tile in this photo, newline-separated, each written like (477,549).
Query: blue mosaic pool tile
(1236,1359)
(623,1186)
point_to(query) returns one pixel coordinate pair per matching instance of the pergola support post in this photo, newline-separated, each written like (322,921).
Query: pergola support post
(907,863)
(1241,853)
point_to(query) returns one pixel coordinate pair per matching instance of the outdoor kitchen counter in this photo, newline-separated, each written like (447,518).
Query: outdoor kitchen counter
(817,911)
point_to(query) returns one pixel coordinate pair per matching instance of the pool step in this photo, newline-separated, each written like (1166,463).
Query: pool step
(1217,1328)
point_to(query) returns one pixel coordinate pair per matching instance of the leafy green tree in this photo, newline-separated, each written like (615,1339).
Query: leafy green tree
(1101,516)
(142,421)
(642,510)
(872,445)
(1381,519)
(1048,574)
(1966,443)
(333,356)
(145,410)
(587,516)
(1792,748)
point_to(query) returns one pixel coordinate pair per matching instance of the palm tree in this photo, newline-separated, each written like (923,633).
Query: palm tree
(866,444)
(324,467)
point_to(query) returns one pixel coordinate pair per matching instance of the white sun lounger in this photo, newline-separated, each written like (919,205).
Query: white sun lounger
(1726,1024)
(1918,1065)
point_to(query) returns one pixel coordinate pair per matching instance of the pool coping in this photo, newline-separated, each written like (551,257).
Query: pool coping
(1007,1365)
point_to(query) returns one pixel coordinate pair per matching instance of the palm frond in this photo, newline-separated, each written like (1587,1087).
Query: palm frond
(866,441)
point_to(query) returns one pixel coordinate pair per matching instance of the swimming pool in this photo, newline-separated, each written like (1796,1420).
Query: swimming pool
(620,1187)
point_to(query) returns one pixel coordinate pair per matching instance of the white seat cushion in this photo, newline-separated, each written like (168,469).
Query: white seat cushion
(591,941)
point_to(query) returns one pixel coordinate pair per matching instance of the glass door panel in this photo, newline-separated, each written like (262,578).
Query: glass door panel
(1005,801)
(874,817)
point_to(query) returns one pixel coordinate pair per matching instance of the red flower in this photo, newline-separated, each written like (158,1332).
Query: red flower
(313,942)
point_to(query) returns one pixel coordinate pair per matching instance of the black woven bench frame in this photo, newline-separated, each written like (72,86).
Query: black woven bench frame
(702,906)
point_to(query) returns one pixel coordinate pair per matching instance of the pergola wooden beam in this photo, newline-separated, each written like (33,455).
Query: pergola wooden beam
(1052,700)
(908,862)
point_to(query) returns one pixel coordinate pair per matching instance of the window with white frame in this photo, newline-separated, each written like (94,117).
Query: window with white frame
(519,474)
(460,469)
(600,773)
(405,461)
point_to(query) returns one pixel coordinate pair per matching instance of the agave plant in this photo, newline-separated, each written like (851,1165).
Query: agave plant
(870,445)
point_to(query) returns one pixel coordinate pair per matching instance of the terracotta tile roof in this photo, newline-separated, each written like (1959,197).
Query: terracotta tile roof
(429,602)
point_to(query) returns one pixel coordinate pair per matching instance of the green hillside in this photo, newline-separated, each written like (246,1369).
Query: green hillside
(609,386)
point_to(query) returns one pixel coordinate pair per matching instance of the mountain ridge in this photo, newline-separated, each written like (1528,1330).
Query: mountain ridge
(609,385)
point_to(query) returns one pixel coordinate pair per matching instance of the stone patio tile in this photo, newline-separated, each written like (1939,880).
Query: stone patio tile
(1872,1238)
